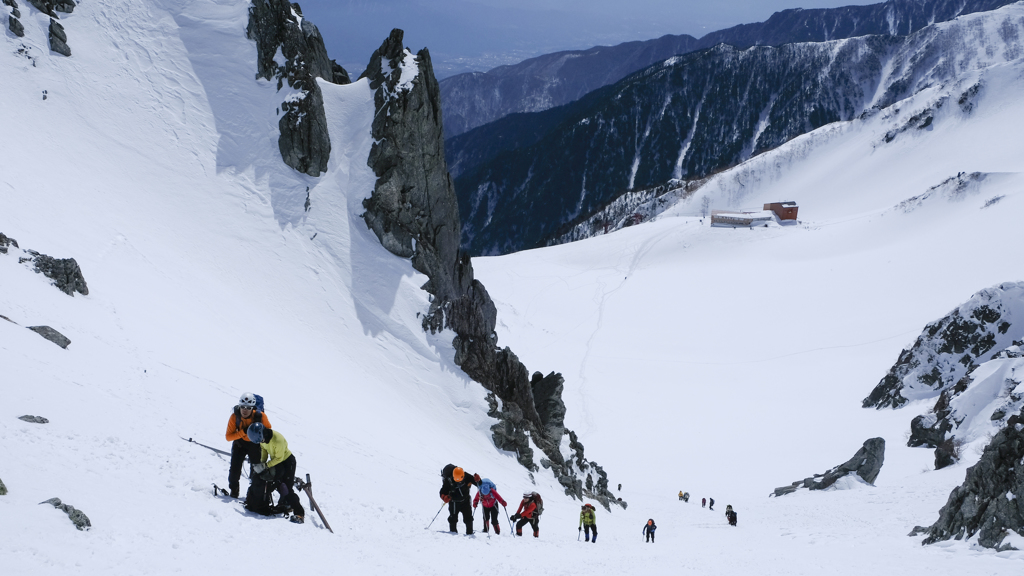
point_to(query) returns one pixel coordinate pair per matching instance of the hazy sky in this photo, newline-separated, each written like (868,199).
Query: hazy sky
(465,35)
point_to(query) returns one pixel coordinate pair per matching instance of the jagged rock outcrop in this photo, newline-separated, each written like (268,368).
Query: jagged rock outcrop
(15,26)
(51,335)
(3,488)
(33,419)
(274,25)
(50,7)
(988,504)
(414,214)
(6,242)
(58,38)
(978,404)
(80,520)
(951,347)
(44,6)
(65,273)
(866,464)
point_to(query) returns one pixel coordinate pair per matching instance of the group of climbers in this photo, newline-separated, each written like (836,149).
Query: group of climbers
(272,469)
(730,515)
(271,463)
(455,488)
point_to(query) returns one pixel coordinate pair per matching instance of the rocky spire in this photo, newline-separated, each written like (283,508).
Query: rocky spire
(304,143)
(414,212)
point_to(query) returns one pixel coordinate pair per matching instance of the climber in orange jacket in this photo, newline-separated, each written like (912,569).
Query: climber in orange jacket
(244,415)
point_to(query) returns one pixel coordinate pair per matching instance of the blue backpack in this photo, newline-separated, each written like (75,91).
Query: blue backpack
(486,486)
(259,403)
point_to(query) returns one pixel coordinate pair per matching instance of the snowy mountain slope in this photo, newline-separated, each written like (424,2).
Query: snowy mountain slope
(740,357)
(153,162)
(700,113)
(477,98)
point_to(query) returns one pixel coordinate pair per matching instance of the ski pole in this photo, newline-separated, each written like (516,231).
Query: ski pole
(578,532)
(435,517)
(510,529)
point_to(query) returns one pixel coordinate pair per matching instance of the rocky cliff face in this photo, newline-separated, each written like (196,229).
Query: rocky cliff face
(414,213)
(278,25)
(988,504)
(549,81)
(952,346)
(699,113)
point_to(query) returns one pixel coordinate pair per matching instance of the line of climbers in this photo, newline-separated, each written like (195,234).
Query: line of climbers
(455,488)
(272,469)
(456,485)
(730,515)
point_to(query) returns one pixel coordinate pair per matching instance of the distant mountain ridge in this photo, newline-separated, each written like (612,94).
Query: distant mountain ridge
(474,99)
(705,111)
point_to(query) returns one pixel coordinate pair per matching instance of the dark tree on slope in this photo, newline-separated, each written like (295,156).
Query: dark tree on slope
(413,212)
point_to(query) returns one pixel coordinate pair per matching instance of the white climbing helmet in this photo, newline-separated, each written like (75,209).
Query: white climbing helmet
(248,400)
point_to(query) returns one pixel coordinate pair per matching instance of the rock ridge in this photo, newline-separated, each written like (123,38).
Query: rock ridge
(414,213)
(866,464)
(274,25)
(988,503)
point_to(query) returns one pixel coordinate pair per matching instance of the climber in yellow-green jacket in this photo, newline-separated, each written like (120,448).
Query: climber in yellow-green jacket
(588,521)
(274,472)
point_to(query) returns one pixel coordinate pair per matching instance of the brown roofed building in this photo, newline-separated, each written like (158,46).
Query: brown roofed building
(783,210)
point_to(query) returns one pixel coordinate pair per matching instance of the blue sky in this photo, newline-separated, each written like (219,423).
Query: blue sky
(465,35)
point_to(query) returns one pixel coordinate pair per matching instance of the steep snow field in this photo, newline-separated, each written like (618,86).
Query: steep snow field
(720,362)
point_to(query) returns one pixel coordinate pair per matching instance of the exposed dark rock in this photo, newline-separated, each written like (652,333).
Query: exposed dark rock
(340,74)
(51,335)
(949,348)
(5,242)
(16,26)
(67,6)
(866,463)
(65,273)
(44,6)
(988,504)
(305,144)
(80,520)
(414,214)
(926,430)
(57,31)
(3,488)
(58,39)
(510,433)
(34,419)
(957,408)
